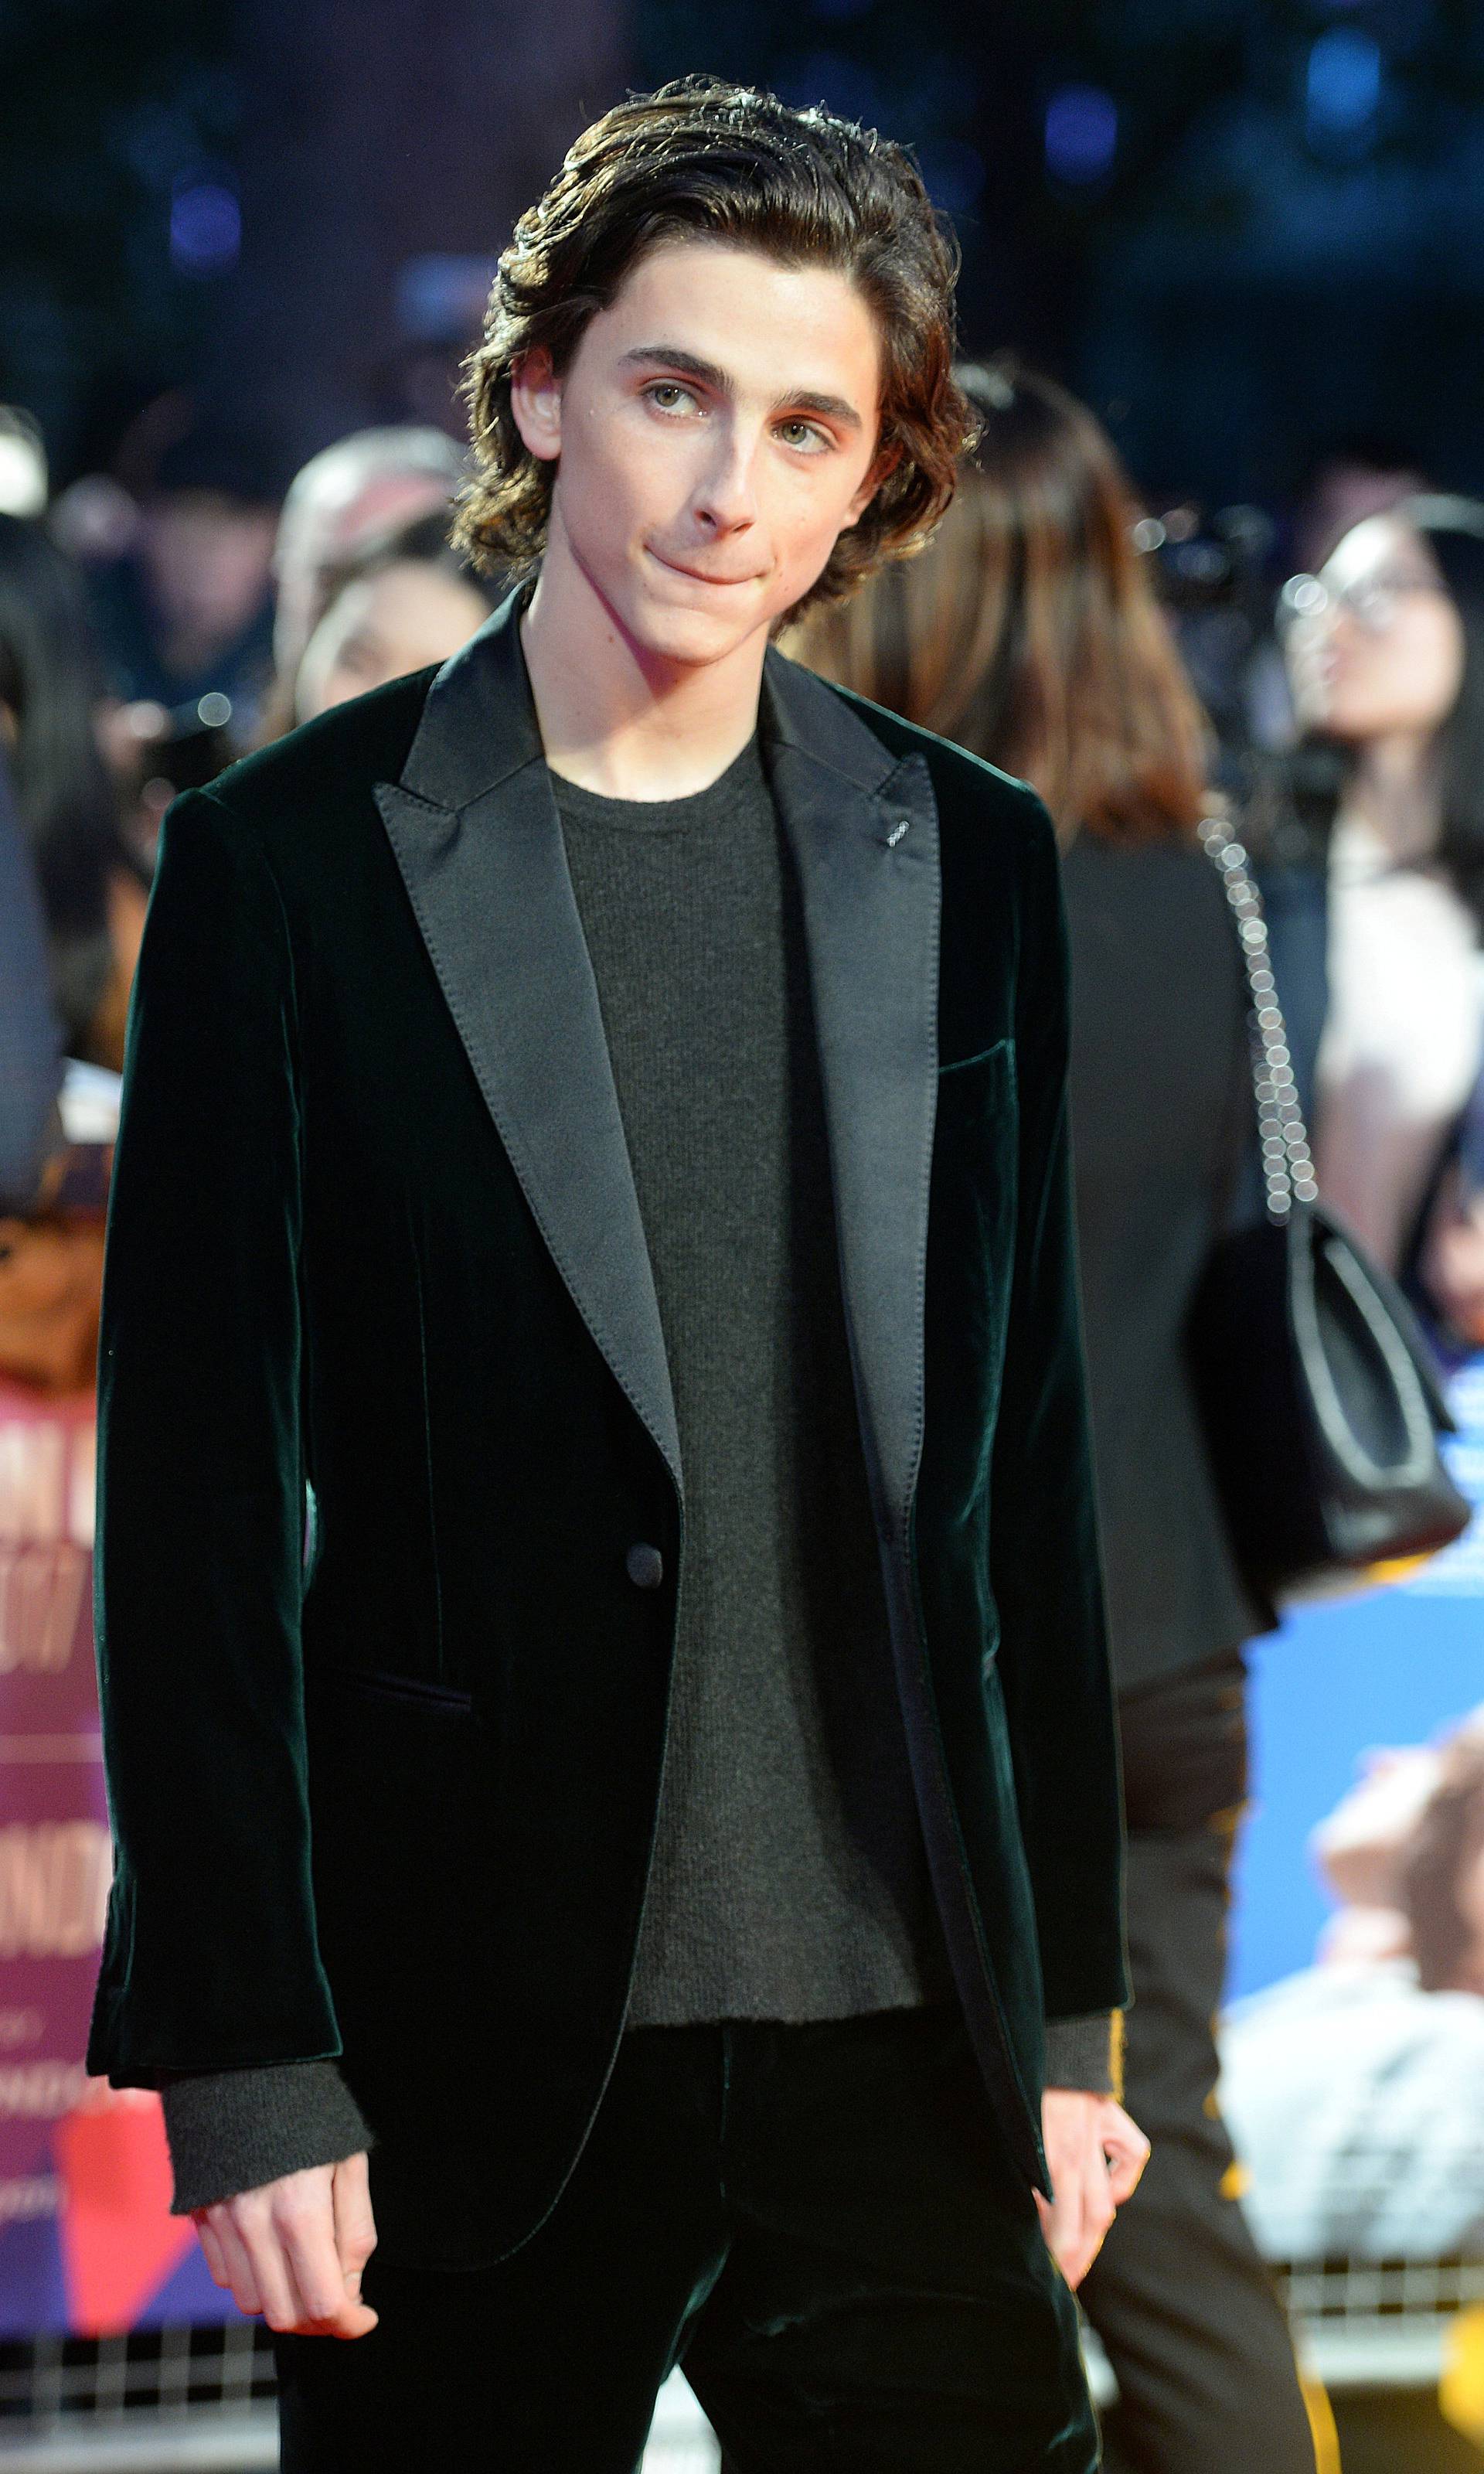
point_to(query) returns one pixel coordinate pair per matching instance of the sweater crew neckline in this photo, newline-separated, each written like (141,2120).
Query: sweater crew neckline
(714,805)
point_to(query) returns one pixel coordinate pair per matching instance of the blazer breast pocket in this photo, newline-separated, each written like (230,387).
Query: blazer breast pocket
(977,1100)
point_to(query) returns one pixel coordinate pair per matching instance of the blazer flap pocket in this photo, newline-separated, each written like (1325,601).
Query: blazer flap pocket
(978,1090)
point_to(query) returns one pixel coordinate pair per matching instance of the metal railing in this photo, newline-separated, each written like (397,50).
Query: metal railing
(199,2401)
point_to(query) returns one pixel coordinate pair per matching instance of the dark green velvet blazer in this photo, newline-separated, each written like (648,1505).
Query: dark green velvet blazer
(384,1409)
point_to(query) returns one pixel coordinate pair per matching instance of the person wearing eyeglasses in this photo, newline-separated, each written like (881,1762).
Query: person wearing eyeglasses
(1029,632)
(1385,650)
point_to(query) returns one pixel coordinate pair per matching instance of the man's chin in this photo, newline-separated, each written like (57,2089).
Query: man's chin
(695,637)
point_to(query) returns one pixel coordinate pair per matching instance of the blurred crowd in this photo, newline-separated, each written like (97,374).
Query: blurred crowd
(1317,674)
(148,638)
(1351,2087)
(154,629)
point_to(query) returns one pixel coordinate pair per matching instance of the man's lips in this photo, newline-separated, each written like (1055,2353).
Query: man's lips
(701,574)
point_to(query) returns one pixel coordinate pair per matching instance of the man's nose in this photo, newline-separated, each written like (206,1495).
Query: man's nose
(727,499)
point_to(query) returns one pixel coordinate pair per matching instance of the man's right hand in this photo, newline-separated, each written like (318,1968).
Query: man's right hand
(294,2250)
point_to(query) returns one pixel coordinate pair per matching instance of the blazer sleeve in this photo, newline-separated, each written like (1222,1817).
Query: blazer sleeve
(210,1958)
(1046,1571)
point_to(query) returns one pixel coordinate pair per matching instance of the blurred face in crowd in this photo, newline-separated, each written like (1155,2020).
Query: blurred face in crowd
(318,538)
(716,432)
(1471,1909)
(1361,1844)
(381,626)
(1383,656)
(207,561)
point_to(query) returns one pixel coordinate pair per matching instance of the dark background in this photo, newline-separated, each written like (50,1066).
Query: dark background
(1247,230)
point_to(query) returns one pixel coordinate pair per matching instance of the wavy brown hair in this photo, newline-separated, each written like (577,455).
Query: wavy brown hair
(702,160)
(1031,632)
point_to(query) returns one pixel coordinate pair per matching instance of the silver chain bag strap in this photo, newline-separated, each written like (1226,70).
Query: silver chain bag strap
(1321,1405)
(1287,1167)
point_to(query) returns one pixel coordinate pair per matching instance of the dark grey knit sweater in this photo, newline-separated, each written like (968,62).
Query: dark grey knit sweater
(789,1879)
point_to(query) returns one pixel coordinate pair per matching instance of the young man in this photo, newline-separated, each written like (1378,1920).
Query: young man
(595,1139)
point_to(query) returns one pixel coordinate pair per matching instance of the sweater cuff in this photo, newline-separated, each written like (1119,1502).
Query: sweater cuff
(1087,2053)
(234,2130)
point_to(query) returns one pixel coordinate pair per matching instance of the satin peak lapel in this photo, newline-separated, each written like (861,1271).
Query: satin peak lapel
(475,831)
(863,828)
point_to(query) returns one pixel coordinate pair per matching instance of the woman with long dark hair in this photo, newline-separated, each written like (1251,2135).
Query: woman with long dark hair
(1387,657)
(92,886)
(1029,631)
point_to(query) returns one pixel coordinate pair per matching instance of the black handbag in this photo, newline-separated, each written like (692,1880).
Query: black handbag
(1321,1409)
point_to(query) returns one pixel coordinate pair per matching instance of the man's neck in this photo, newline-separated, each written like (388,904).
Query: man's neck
(615,719)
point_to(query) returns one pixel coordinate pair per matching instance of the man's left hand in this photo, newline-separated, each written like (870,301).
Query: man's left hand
(1096,2155)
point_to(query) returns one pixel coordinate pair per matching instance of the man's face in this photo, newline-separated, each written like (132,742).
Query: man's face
(716,430)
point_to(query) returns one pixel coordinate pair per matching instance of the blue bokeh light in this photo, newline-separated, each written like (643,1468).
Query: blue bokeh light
(1343,86)
(206,227)
(1081,134)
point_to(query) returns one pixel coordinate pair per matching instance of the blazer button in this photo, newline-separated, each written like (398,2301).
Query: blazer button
(645,1566)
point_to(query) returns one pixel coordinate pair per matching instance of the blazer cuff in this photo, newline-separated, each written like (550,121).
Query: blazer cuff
(1087,2053)
(234,2130)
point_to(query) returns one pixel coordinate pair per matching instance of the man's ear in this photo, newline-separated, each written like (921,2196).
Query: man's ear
(536,402)
(885,465)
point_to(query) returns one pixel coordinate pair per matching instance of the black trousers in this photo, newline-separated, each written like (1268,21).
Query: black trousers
(819,2222)
(1183,2305)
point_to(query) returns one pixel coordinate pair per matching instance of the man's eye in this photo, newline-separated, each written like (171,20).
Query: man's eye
(670,397)
(801,433)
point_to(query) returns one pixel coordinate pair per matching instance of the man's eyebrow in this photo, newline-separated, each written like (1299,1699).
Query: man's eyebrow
(672,356)
(830,408)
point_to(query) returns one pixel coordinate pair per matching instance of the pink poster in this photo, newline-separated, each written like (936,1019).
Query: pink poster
(87,2240)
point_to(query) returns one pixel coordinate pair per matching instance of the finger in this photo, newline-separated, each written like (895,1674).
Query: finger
(1061,2221)
(1088,2213)
(282,2306)
(326,2308)
(351,2320)
(1053,2228)
(1127,2150)
(1098,2209)
(211,2248)
(1123,2138)
(1126,2161)
(355,2227)
(303,2226)
(1079,2245)
(238,2266)
(1123,2178)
